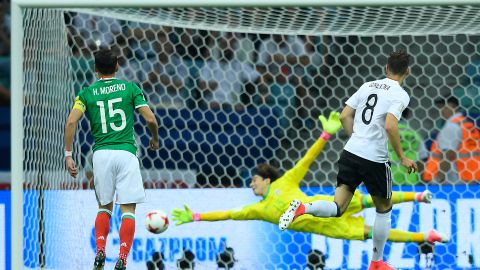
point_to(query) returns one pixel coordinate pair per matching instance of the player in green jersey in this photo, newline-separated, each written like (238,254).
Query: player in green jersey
(109,105)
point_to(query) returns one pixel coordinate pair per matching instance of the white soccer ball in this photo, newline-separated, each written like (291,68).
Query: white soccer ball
(156,221)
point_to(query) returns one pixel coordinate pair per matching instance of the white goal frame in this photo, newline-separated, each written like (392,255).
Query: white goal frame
(17,105)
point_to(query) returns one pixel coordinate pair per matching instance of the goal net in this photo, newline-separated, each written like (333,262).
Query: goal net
(232,88)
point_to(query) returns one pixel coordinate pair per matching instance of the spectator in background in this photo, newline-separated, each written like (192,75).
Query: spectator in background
(414,149)
(282,60)
(5,26)
(244,48)
(4,96)
(5,53)
(169,75)
(100,30)
(222,81)
(138,52)
(455,155)
(279,49)
(468,93)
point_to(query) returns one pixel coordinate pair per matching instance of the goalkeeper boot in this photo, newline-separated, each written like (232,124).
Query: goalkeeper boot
(425,196)
(99,260)
(380,265)
(121,264)
(289,216)
(433,236)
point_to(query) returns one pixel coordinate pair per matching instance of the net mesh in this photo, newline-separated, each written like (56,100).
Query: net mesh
(232,88)
(413,20)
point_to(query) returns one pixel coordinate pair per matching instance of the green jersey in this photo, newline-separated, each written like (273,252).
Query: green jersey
(109,105)
(410,142)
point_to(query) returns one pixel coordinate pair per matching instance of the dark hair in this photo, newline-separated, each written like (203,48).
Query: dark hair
(106,61)
(398,62)
(267,171)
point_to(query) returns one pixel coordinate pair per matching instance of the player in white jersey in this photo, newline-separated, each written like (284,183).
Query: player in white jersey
(370,118)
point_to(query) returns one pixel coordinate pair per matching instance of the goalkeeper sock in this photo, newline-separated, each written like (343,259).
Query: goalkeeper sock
(397,197)
(381,229)
(127,231)
(322,208)
(102,226)
(402,236)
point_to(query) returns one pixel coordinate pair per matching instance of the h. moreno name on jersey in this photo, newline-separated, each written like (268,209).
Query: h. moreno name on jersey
(109,89)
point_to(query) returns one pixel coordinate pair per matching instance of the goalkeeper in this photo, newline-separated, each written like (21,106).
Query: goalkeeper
(278,190)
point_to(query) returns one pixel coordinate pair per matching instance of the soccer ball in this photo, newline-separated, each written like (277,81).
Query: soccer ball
(156,221)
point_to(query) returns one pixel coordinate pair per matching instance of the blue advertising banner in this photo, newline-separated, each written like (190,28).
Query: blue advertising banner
(70,216)
(5,230)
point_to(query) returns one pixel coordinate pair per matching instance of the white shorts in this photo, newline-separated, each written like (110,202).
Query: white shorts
(117,172)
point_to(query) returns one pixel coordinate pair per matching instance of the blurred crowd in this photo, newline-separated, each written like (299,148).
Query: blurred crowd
(180,68)
(5,53)
(296,77)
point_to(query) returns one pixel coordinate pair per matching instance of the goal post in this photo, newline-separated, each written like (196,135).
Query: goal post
(440,34)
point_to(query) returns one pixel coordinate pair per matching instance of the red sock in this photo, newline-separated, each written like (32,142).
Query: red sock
(127,231)
(102,226)
(300,210)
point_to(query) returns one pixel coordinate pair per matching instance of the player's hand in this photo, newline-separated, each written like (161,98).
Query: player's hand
(333,124)
(409,164)
(182,216)
(71,167)
(153,145)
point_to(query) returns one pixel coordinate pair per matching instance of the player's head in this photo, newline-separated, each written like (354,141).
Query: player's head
(106,62)
(264,175)
(448,106)
(398,65)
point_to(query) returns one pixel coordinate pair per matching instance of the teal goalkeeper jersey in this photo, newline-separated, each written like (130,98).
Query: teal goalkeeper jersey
(110,105)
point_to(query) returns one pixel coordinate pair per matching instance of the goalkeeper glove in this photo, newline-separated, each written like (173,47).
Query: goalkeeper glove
(182,216)
(333,124)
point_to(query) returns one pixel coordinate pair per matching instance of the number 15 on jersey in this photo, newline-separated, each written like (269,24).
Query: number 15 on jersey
(112,112)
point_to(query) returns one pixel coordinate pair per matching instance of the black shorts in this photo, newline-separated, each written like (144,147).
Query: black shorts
(353,170)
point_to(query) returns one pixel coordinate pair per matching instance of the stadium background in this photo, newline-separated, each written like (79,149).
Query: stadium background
(214,141)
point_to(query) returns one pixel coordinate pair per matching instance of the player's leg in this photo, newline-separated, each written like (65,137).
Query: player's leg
(102,227)
(104,192)
(129,191)
(401,197)
(381,227)
(347,181)
(378,182)
(348,178)
(127,232)
(403,236)
(321,208)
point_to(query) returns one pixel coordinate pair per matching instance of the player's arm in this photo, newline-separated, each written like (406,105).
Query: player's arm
(152,125)
(330,127)
(142,106)
(348,113)
(187,216)
(391,127)
(346,117)
(70,129)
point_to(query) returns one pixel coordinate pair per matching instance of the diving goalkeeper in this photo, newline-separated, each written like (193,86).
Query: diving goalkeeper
(278,190)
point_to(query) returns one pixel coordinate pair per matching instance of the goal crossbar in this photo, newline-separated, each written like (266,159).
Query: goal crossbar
(233,3)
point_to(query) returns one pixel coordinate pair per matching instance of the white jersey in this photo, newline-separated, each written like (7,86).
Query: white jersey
(372,102)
